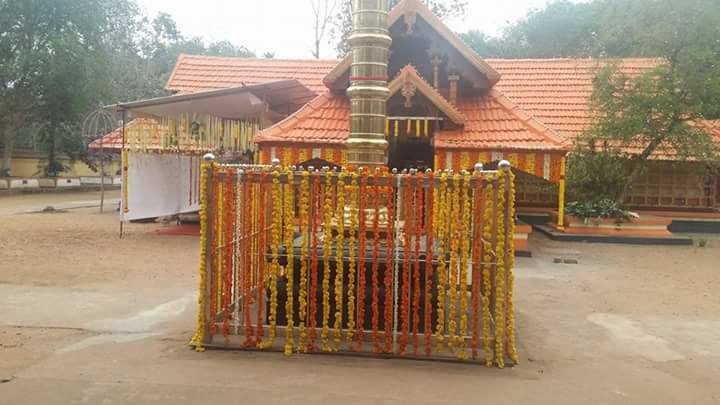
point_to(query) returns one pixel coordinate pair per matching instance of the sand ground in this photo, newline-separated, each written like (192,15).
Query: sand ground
(86,318)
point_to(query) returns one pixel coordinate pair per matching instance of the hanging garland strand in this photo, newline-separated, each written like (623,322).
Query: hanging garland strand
(216,209)
(275,240)
(500,276)
(290,266)
(316,205)
(486,268)
(304,250)
(418,193)
(339,260)
(362,252)
(442,270)
(260,251)
(327,258)
(389,265)
(510,265)
(429,228)
(247,231)
(407,230)
(376,265)
(351,259)
(454,267)
(199,336)
(227,248)
(464,261)
(476,265)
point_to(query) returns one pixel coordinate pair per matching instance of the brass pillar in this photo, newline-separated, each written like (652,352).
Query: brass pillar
(370,43)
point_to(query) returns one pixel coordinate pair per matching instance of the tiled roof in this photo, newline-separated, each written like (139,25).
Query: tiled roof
(493,122)
(411,75)
(326,119)
(557,91)
(196,73)
(114,140)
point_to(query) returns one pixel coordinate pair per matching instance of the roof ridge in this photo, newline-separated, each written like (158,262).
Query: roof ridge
(292,120)
(318,61)
(410,71)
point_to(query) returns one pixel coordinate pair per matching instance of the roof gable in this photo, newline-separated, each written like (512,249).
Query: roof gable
(409,76)
(417,8)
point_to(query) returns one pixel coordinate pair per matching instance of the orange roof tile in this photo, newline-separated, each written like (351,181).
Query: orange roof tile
(493,122)
(557,91)
(326,119)
(114,139)
(411,75)
(197,73)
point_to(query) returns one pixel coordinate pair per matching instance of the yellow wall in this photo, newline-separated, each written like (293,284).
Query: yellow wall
(31,167)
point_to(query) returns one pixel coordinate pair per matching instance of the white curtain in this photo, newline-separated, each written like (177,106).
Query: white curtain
(161,185)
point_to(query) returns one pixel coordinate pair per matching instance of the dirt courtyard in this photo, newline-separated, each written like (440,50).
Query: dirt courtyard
(86,318)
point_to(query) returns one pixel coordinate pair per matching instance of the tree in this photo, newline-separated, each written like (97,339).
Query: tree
(323,13)
(640,115)
(342,26)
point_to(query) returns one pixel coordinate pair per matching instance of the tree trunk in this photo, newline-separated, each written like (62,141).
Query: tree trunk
(52,157)
(8,146)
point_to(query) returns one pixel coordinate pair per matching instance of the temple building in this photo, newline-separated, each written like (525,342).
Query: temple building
(447,108)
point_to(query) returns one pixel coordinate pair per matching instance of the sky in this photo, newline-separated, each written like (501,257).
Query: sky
(285,27)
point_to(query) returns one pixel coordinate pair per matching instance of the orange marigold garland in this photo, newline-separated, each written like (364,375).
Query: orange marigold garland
(352,252)
(389,265)
(247,275)
(416,269)
(305,233)
(362,252)
(290,266)
(442,269)
(429,228)
(275,240)
(407,230)
(339,259)
(476,265)
(376,265)
(227,248)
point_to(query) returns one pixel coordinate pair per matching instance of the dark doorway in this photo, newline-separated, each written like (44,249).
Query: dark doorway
(408,152)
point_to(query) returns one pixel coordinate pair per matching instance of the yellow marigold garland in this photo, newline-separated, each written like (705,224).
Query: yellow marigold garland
(441,268)
(512,349)
(327,251)
(199,336)
(464,261)
(377,348)
(304,251)
(275,239)
(430,227)
(454,249)
(500,276)
(290,266)
(339,260)
(351,258)
(486,267)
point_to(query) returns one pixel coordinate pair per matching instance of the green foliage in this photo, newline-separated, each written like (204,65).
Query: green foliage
(594,174)
(604,208)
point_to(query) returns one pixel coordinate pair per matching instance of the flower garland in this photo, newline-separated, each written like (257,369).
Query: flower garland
(290,266)
(477,247)
(199,337)
(389,265)
(327,252)
(351,258)
(339,260)
(304,251)
(500,276)
(510,265)
(215,264)
(486,267)
(376,265)
(430,222)
(416,269)
(260,251)
(442,270)
(454,248)
(275,240)
(316,205)
(227,248)
(404,299)
(362,252)
(248,216)
(464,261)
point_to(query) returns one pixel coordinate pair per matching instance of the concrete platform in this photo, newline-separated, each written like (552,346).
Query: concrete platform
(553,234)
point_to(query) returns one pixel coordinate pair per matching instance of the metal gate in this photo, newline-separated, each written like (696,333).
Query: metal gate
(405,264)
